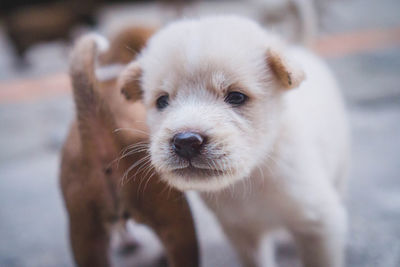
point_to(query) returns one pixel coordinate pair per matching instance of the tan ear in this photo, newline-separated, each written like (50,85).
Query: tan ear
(129,82)
(288,73)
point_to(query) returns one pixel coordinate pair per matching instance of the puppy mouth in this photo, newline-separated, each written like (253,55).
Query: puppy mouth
(193,171)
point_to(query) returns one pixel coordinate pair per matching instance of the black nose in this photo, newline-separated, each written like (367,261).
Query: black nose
(187,144)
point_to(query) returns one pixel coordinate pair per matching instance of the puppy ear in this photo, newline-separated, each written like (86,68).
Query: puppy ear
(129,82)
(288,73)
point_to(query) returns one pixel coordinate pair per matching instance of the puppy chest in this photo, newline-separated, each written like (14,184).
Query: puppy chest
(246,209)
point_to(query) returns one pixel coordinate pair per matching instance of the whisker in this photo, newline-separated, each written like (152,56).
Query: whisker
(131,130)
(128,154)
(133,147)
(148,180)
(141,167)
(144,159)
(132,50)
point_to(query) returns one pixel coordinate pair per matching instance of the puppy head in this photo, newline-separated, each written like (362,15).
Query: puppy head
(212,89)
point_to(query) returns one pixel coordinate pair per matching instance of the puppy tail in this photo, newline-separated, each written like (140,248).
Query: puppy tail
(83,77)
(93,116)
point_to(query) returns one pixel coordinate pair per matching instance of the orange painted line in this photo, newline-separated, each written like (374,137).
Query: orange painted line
(331,46)
(31,89)
(340,45)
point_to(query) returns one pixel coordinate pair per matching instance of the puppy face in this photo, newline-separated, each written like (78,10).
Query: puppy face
(212,89)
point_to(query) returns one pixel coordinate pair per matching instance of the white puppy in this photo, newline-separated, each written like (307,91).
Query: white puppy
(230,116)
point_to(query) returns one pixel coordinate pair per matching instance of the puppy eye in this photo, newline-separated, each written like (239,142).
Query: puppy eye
(162,102)
(236,98)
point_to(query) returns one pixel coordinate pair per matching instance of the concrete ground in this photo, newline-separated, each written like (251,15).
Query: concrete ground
(32,216)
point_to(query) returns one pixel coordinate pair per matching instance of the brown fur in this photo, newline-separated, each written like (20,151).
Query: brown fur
(94,194)
(32,24)
(288,75)
(129,82)
(124,47)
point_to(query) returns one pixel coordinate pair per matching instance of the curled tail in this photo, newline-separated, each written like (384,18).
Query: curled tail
(83,78)
(95,121)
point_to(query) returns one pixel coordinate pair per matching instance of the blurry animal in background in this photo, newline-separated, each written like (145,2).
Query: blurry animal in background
(299,21)
(256,126)
(298,18)
(28,24)
(33,22)
(124,47)
(101,188)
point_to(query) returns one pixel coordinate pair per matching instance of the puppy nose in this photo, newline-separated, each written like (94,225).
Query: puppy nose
(187,144)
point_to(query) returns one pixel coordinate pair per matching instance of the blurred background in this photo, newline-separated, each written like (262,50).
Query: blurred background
(359,39)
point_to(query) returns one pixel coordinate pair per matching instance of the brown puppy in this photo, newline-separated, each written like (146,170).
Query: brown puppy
(127,43)
(91,181)
(28,24)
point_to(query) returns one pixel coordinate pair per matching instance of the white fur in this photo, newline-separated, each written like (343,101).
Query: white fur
(283,153)
(102,42)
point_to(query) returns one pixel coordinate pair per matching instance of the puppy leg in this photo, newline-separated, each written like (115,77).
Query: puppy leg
(321,242)
(247,243)
(89,236)
(267,256)
(167,212)
(124,241)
